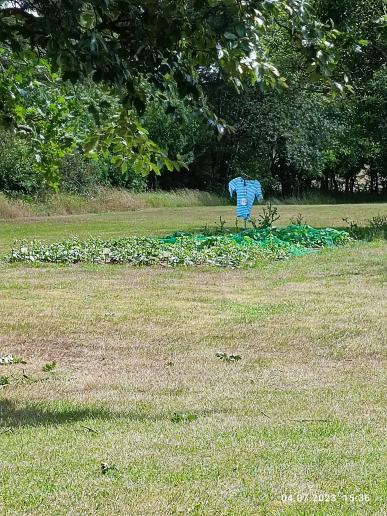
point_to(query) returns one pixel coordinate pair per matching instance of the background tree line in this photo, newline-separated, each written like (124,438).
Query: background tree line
(311,121)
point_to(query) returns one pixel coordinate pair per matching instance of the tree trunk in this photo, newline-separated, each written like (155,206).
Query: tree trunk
(324,184)
(351,184)
(334,182)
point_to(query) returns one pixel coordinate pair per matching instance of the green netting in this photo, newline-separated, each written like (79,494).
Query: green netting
(295,240)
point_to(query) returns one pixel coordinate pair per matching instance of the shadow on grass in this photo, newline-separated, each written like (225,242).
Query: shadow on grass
(18,415)
(56,413)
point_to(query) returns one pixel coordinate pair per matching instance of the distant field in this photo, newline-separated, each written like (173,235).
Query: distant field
(160,221)
(296,426)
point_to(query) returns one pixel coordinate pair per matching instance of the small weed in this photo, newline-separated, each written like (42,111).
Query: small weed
(268,216)
(353,227)
(89,429)
(298,221)
(253,222)
(218,229)
(378,222)
(25,378)
(222,224)
(107,468)
(377,228)
(19,360)
(378,225)
(228,358)
(49,367)
(4,380)
(206,230)
(183,417)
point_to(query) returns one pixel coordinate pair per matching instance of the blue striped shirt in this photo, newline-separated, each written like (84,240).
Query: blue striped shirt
(247,191)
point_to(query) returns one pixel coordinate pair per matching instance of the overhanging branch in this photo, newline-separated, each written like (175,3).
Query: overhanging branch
(8,12)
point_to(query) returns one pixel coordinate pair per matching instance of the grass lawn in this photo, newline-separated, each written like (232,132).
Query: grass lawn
(297,426)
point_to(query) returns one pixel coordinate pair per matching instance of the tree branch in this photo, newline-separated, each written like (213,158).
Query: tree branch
(14,11)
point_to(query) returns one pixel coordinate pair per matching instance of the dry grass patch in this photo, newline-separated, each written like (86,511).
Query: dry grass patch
(13,209)
(104,199)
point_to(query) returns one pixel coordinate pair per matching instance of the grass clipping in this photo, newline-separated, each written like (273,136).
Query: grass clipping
(244,249)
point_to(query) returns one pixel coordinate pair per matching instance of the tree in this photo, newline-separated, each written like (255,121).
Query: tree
(119,40)
(55,116)
(362,55)
(278,135)
(168,44)
(59,118)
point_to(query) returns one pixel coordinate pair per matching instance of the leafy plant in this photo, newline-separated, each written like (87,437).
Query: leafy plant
(245,249)
(78,174)
(354,230)
(217,229)
(188,417)
(4,380)
(298,220)
(11,359)
(377,228)
(228,358)
(268,216)
(49,367)
(107,468)
(222,224)
(379,223)
(19,360)
(205,230)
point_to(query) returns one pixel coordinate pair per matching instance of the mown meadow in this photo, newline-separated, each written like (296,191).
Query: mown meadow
(193,390)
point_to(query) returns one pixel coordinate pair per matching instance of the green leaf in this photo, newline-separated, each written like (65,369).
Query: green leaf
(91,144)
(168,163)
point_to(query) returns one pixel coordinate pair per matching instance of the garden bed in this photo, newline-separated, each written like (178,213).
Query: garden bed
(225,249)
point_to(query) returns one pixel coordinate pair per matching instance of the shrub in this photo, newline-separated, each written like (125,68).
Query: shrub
(78,174)
(376,228)
(110,175)
(379,225)
(17,174)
